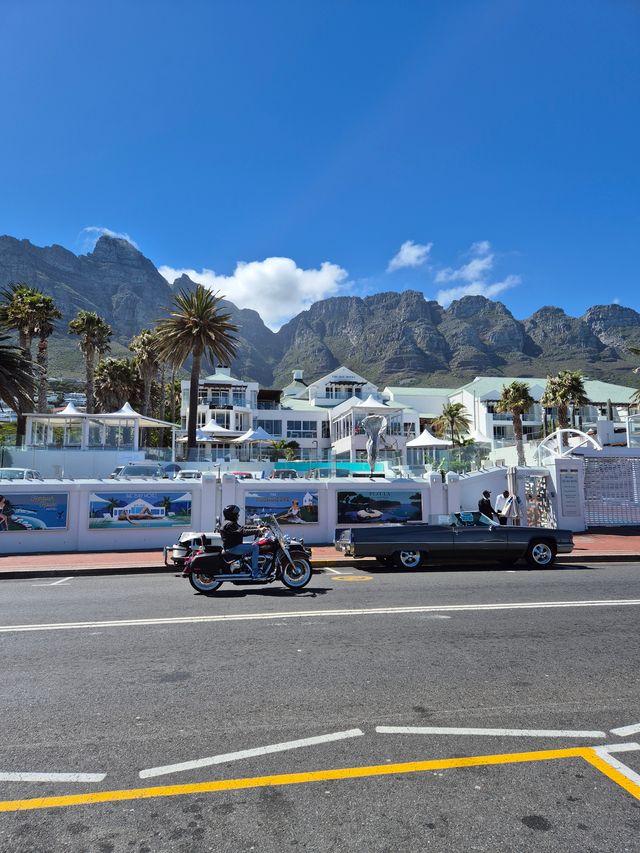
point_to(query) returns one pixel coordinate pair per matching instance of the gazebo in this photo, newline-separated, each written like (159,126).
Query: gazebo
(72,429)
(427,441)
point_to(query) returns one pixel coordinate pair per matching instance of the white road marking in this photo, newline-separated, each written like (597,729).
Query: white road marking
(248,753)
(618,747)
(604,752)
(55,583)
(52,777)
(445,730)
(332,571)
(305,614)
(625,731)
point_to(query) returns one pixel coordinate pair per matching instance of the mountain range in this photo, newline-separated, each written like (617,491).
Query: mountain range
(396,338)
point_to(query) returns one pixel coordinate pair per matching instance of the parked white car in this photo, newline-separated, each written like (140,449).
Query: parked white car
(189,474)
(19,474)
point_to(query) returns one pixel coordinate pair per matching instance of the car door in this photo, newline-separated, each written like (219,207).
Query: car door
(435,539)
(480,542)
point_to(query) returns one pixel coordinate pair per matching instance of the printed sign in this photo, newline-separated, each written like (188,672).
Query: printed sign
(20,511)
(377,507)
(290,507)
(128,510)
(569,491)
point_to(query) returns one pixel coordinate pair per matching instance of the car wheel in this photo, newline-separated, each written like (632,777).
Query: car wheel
(408,559)
(540,554)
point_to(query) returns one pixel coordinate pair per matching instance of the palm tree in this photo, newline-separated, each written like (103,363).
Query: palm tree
(196,327)
(95,334)
(17,384)
(117,382)
(636,396)
(454,420)
(564,390)
(145,347)
(516,400)
(46,312)
(18,312)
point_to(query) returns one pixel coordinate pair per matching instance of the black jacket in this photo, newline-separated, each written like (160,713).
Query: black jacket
(233,534)
(484,505)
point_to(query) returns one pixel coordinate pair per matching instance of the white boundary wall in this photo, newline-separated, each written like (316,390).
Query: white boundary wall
(209,496)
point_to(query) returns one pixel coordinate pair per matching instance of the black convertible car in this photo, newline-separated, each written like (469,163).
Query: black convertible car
(460,536)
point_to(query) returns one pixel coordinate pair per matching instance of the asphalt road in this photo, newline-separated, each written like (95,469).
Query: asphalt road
(146,675)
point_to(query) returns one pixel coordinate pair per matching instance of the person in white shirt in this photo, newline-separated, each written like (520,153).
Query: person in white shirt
(501,500)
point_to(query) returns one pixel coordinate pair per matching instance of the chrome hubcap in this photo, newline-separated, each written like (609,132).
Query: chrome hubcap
(542,554)
(410,559)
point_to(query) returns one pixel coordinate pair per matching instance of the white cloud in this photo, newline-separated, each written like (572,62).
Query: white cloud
(477,288)
(475,275)
(90,235)
(410,254)
(276,288)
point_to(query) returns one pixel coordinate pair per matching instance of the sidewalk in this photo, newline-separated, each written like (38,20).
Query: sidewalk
(589,547)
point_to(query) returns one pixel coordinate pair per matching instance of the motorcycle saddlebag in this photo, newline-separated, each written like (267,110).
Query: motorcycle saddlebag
(208,564)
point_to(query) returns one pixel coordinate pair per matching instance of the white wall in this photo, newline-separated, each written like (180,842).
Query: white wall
(211,494)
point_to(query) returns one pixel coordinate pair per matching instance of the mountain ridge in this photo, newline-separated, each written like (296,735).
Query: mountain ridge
(394,337)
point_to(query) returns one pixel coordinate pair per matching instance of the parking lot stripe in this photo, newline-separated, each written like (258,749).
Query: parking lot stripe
(306,614)
(248,753)
(446,730)
(625,731)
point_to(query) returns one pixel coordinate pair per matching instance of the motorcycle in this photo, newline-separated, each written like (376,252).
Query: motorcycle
(281,558)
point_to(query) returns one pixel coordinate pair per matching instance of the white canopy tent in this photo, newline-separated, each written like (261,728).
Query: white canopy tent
(257,436)
(84,431)
(428,440)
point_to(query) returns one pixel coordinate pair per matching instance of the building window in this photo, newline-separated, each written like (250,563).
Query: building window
(302,429)
(273,427)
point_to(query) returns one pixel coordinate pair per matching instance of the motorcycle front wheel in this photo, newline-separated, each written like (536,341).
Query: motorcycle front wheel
(297,575)
(203,583)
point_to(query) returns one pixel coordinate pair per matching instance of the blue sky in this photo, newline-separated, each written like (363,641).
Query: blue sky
(290,149)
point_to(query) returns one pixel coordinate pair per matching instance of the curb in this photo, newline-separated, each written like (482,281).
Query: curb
(315,565)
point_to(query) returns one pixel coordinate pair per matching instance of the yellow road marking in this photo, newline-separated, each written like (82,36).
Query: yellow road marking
(593,758)
(587,753)
(353,577)
(284,779)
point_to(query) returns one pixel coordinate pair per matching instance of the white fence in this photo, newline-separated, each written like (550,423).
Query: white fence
(107,515)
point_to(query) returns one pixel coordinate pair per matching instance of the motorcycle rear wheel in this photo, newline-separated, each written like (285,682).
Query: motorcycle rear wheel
(203,583)
(298,575)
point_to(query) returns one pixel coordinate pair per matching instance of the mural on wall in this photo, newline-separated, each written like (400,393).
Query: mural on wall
(109,510)
(20,511)
(378,506)
(290,507)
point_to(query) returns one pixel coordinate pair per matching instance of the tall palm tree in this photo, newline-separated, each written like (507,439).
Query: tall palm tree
(95,334)
(147,360)
(45,314)
(17,311)
(17,384)
(196,327)
(636,396)
(564,390)
(453,421)
(117,382)
(516,400)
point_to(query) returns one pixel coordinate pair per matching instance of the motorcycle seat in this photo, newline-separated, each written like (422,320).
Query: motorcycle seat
(228,557)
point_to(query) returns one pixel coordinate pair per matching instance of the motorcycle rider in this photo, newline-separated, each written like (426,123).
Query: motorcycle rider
(232,535)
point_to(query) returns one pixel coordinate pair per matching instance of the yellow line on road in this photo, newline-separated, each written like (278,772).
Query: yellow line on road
(593,758)
(286,779)
(353,578)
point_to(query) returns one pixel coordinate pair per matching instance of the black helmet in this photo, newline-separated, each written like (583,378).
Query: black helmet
(231,512)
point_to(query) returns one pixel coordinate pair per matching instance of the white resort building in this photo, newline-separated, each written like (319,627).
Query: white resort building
(325,416)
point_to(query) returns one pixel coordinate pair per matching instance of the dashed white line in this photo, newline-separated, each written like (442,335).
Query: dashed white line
(446,730)
(55,583)
(308,614)
(625,731)
(248,753)
(52,777)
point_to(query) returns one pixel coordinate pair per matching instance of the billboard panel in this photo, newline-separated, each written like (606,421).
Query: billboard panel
(33,511)
(376,506)
(128,510)
(294,506)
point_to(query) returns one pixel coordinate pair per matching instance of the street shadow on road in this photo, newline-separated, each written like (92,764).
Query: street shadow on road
(277,592)
(377,569)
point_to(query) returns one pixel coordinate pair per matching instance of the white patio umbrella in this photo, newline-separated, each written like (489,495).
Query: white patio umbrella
(254,436)
(427,439)
(214,428)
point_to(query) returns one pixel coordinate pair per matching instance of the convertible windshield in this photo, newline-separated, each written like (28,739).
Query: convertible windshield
(470,519)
